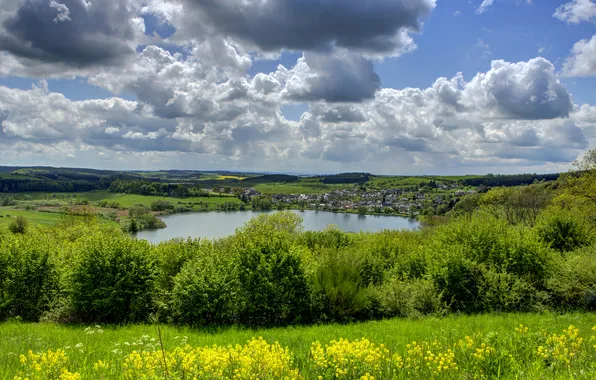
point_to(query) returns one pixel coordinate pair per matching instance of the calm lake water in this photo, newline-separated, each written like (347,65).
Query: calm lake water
(220,224)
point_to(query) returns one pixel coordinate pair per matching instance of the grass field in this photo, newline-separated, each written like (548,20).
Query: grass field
(516,351)
(300,187)
(44,218)
(127,200)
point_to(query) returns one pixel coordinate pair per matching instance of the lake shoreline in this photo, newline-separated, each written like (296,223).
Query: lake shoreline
(215,224)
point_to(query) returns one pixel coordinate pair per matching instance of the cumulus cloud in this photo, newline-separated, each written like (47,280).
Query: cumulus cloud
(512,114)
(523,90)
(577,11)
(73,32)
(516,113)
(341,77)
(582,61)
(377,27)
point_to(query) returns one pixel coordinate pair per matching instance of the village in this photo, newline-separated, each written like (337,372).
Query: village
(404,201)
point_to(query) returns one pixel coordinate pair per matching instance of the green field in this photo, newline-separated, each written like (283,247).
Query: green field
(515,352)
(43,218)
(128,200)
(300,187)
(125,201)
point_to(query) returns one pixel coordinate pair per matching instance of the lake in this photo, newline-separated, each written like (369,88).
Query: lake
(218,224)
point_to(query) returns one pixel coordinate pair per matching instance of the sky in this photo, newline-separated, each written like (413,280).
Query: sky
(399,87)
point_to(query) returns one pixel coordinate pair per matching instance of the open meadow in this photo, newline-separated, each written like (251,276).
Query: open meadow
(486,346)
(128,200)
(8,214)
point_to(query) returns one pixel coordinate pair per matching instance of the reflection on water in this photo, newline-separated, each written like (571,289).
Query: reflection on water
(217,224)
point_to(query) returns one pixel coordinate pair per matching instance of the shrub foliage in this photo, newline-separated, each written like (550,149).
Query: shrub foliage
(271,273)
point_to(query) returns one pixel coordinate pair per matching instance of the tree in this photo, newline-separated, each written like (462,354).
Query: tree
(133,227)
(580,183)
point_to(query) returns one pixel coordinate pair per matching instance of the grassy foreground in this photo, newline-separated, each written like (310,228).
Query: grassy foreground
(484,346)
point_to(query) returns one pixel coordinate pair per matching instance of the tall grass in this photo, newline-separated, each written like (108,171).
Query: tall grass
(85,346)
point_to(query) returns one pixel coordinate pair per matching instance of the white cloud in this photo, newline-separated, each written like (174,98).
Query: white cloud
(577,11)
(63,11)
(582,61)
(195,101)
(484,6)
(484,48)
(513,114)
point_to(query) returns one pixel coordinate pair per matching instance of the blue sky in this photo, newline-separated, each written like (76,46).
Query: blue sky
(225,85)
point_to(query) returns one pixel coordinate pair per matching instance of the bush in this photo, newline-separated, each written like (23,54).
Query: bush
(330,237)
(458,283)
(112,280)
(162,205)
(494,243)
(572,285)
(205,293)
(505,292)
(171,257)
(29,280)
(563,230)
(339,292)
(399,298)
(19,225)
(272,280)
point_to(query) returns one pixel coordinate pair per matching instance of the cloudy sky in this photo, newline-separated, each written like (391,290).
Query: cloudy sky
(311,86)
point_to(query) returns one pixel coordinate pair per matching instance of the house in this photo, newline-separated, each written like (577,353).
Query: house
(251,192)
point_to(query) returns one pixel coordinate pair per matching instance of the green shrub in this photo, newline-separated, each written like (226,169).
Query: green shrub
(171,257)
(494,243)
(205,293)
(339,292)
(29,280)
(19,225)
(572,285)
(563,230)
(330,237)
(410,298)
(505,292)
(458,283)
(112,280)
(272,281)
(162,205)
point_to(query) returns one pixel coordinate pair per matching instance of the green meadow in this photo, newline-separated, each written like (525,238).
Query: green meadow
(519,347)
